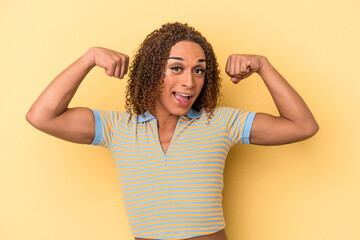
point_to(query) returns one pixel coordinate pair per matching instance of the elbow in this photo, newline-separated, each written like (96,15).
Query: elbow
(311,129)
(317,128)
(29,117)
(34,119)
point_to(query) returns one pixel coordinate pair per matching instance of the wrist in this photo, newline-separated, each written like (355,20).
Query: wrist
(265,64)
(88,58)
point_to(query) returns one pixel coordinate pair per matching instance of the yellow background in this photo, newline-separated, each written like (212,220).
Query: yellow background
(52,189)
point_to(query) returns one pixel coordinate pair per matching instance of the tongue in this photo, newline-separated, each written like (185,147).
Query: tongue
(181,98)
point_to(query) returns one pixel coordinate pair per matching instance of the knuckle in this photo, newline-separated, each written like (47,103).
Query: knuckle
(112,66)
(123,58)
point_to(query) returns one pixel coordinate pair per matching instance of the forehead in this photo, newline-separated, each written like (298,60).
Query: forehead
(187,49)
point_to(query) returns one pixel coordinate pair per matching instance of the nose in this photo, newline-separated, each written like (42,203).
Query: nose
(188,80)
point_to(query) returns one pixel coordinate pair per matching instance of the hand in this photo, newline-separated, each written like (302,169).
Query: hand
(115,64)
(239,66)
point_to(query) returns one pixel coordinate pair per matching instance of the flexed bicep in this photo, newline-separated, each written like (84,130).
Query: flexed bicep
(273,130)
(50,112)
(74,125)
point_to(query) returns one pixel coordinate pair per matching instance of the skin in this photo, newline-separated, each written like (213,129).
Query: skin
(50,112)
(184,73)
(295,122)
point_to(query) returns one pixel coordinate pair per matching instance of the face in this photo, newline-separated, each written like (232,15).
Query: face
(183,81)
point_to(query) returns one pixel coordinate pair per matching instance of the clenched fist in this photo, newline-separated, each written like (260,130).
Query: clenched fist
(239,66)
(115,64)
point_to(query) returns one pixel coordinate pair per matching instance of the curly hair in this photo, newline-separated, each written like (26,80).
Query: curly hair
(147,70)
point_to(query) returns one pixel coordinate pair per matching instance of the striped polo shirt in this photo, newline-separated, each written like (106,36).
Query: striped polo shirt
(177,194)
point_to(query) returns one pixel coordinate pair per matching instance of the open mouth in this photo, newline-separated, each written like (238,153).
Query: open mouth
(182,97)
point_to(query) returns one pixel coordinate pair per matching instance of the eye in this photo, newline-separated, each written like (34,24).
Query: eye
(199,71)
(176,68)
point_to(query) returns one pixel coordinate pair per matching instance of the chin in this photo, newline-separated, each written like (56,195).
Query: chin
(180,112)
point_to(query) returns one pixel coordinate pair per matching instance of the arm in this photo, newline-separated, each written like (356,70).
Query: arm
(50,112)
(295,122)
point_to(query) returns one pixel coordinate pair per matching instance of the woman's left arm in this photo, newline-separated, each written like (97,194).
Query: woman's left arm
(295,122)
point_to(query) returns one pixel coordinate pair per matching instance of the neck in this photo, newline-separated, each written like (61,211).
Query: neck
(166,119)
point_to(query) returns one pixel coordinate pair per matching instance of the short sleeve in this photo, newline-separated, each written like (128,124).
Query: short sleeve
(104,124)
(238,124)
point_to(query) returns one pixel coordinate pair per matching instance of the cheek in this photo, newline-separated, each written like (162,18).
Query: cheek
(169,80)
(165,84)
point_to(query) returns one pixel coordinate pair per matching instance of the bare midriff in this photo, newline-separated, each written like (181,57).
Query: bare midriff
(220,235)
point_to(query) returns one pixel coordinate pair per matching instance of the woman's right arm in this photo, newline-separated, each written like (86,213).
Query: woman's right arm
(50,112)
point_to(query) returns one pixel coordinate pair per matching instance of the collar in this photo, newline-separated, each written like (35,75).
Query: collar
(147,116)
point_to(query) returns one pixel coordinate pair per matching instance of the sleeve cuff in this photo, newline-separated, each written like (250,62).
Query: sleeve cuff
(98,129)
(245,138)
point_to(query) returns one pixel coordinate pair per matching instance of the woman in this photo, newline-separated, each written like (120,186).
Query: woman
(171,144)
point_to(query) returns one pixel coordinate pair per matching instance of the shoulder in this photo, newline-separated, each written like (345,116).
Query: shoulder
(219,113)
(227,114)
(113,115)
(223,111)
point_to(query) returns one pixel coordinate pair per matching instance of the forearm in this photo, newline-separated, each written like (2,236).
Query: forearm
(54,100)
(288,102)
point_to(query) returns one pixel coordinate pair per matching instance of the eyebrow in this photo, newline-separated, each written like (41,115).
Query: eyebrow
(181,59)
